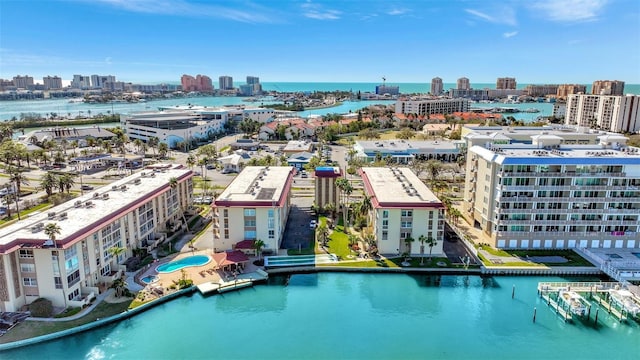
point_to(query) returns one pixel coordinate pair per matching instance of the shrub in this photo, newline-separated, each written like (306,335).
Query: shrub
(41,308)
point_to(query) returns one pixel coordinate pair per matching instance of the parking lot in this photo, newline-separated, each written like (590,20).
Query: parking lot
(298,233)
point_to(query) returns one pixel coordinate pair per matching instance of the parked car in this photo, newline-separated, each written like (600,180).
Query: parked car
(86,187)
(313,224)
(304,175)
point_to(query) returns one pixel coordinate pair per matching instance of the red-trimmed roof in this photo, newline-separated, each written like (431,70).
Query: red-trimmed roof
(245,244)
(230,258)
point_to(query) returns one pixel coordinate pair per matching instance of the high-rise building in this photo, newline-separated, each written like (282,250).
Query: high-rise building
(252,80)
(204,83)
(81,82)
(463,84)
(541,90)
(199,83)
(547,194)
(607,87)
(225,82)
(387,89)
(52,82)
(606,112)
(98,81)
(326,190)
(565,90)
(22,82)
(506,83)
(436,86)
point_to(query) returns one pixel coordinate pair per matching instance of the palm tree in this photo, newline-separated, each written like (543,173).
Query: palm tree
(116,251)
(408,240)
(163,149)
(323,233)
(173,184)
(153,143)
(365,206)
(74,146)
(138,144)
(331,209)
(345,187)
(431,242)
(433,168)
(258,245)
(52,230)
(65,182)
(422,240)
(191,161)
(18,179)
(48,182)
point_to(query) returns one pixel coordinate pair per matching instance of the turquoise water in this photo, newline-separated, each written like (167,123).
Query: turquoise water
(195,260)
(299,260)
(354,316)
(149,279)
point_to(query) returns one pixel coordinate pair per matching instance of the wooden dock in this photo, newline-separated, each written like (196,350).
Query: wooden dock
(242,281)
(566,315)
(620,314)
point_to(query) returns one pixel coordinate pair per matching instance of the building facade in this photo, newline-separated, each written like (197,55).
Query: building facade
(22,82)
(551,195)
(225,82)
(541,90)
(436,86)
(81,82)
(326,190)
(404,151)
(471,94)
(387,89)
(606,112)
(506,83)
(52,82)
(132,213)
(254,206)
(403,207)
(565,90)
(607,87)
(98,81)
(431,106)
(463,84)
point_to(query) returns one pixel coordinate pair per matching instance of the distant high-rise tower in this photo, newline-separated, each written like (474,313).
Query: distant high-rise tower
(226,82)
(506,83)
(463,84)
(52,82)
(607,87)
(252,80)
(81,82)
(22,82)
(436,86)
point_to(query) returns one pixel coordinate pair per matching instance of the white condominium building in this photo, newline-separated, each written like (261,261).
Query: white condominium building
(403,207)
(431,106)
(607,112)
(436,86)
(550,195)
(254,206)
(131,213)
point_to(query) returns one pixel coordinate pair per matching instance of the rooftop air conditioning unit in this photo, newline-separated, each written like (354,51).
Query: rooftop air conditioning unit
(105,196)
(52,214)
(63,215)
(78,203)
(123,187)
(137,181)
(143,174)
(89,203)
(96,195)
(114,187)
(152,175)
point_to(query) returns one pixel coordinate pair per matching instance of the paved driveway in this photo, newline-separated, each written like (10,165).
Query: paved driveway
(297,233)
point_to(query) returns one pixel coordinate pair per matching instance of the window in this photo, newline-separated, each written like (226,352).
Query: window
(385,214)
(226,233)
(272,234)
(249,212)
(407,213)
(250,235)
(385,224)
(58,281)
(28,267)
(406,224)
(29,282)
(74,294)
(430,214)
(385,235)
(250,223)
(106,270)
(225,212)
(73,278)
(26,254)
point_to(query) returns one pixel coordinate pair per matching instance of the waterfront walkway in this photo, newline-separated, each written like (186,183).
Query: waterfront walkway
(100,298)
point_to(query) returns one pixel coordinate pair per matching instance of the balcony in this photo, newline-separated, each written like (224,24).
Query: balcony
(84,299)
(111,277)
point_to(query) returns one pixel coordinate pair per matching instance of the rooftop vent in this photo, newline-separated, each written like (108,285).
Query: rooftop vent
(63,215)
(114,187)
(78,204)
(52,215)
(143,174)
(123,187)
(89,203)
(105,196)
(96,195)
(137,181)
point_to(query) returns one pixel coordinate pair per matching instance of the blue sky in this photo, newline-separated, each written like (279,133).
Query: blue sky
(537,41)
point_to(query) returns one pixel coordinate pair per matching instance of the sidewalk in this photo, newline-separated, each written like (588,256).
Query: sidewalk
(82,313)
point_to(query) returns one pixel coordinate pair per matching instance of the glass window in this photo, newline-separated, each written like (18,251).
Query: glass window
(29,281)
(249,212)
(26,254)
(385,235)
(385,213)
(250,235)
(272,234)
(407,213)
(27,267)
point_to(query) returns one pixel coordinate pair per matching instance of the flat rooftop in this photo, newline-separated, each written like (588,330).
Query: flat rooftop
(93,209)
(407,146)
(568,154)
(257,185)
(298,145)
(397,187)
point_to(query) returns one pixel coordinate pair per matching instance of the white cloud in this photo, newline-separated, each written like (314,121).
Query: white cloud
(510,34)
(397,11)
(317,12)
(570,10)
(185,8)
(504,15)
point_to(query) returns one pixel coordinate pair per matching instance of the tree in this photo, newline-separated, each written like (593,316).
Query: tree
(163,150)
(345,187)
(153,143)
(322,231)
(18,179)
(52,230)
(368,134)
(258,245)
(433,169)
(116,251)
(48,182)
(405,133)
(65,182)
(431,242)
(408,240)
(173,184)
(422,240)
(191,161)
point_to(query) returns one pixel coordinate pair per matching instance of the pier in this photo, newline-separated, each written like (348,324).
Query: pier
(567,316)
(621,315)
(242,281)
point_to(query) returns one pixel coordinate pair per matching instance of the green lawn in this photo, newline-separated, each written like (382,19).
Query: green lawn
(494,251)
(574,258)
(29,329)
(339,243)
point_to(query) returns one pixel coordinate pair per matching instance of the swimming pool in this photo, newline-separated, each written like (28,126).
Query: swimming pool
(195,260)
(299,260)
(149,279)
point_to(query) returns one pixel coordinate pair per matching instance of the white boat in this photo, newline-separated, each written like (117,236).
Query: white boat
(624,299)
(576,303)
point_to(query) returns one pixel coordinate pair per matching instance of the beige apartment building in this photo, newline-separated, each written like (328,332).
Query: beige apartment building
(254,206)
(548,194)
(606,112)
(132,213)
(403,207)
(607,87)
(431,106)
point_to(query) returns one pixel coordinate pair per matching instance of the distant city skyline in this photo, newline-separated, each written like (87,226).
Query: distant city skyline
(153,41)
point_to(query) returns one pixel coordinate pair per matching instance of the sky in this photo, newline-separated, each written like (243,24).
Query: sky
(153,41)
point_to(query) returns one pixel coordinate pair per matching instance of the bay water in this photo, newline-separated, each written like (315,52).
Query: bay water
(355,316)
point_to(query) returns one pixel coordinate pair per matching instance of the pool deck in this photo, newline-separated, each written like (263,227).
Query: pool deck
(205,277)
